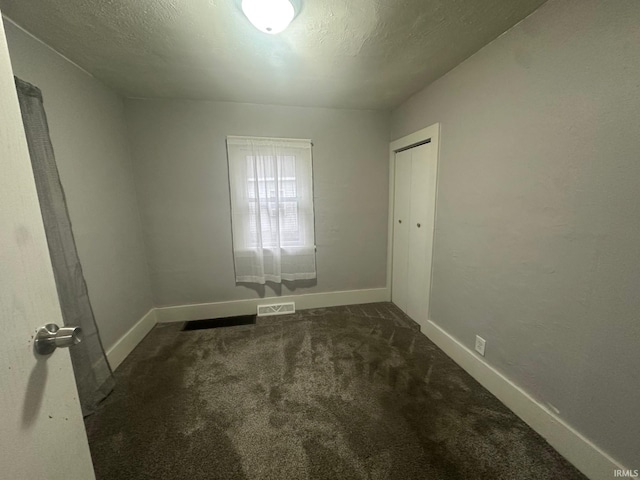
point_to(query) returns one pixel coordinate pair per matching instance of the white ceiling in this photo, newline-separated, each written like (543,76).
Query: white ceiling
(370,54)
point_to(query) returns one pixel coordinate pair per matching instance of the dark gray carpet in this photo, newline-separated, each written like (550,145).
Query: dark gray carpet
(348,392)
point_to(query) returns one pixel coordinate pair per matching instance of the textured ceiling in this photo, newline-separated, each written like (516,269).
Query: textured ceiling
(337,53)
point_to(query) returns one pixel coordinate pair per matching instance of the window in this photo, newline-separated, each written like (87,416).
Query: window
(273,199)
(271,186)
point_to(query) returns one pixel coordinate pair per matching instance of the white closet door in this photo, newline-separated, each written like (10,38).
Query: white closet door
(401,228)
(421,232)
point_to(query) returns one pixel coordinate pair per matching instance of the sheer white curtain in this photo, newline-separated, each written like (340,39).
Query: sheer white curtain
(271,185)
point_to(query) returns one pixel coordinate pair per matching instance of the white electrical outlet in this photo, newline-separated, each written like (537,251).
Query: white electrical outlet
(480,343)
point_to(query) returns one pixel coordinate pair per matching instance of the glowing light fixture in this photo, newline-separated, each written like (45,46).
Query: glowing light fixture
(269,16)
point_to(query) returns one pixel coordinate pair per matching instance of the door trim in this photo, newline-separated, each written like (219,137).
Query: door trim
(431,135)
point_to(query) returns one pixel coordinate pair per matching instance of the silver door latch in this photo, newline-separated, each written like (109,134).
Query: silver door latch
(50,337)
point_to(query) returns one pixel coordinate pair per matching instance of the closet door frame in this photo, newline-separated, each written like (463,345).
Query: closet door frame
(431,135)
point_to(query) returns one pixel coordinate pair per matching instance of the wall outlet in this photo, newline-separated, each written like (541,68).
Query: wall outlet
(480,343)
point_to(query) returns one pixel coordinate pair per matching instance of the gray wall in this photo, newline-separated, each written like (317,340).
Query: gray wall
(537,243)
(181,171)
(92,152)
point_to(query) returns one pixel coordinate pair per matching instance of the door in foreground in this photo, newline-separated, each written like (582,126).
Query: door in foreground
(42,433)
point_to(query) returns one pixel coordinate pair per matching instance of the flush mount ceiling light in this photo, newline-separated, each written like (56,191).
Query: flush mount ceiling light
(270,16)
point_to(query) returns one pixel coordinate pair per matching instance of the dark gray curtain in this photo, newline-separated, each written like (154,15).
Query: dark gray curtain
(92,371)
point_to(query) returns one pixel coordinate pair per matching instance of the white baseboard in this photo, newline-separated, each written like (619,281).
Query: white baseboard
(581,452)
(123,347)
(202,311)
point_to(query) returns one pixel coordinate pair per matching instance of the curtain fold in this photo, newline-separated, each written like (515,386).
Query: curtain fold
(93,374)
(271,185)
